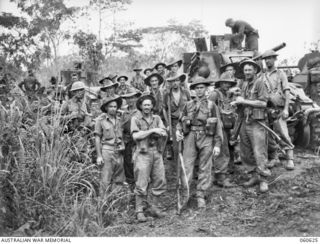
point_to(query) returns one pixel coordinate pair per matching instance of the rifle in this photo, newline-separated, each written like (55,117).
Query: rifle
(180,165)
(276,136)
(169,116)
(236,130)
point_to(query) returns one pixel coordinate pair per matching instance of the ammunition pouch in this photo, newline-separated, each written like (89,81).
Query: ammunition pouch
(211,126)
(228,119)
(153,140)
(255,113)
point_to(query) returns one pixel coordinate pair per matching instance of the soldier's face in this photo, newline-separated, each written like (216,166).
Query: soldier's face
(148,73)
(175,84)
(110,91)
(230,70)
(225,86)
(249,71)
(112,108)
(200,90)
(270,61)
(146,106)
(160,68)
(79,94)
(175,67)
(122,80)
(131,101)
(154,82)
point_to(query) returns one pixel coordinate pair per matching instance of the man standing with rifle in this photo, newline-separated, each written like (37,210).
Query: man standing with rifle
(253,136)
(174,100)
(201,131)
(279,97)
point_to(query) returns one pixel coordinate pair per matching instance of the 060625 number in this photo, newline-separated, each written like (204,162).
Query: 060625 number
(309,240)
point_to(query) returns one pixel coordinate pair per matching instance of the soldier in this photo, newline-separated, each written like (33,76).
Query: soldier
(161,69)
(149,133)
(230,68)
(176,98)
(173,68)
(253,136)
(30,85)
(123,87)
(154,81)
(75,110)
(202,136)
(109,145)
(241,29)
(147,72)
(279,98)
(138,81)
(108,87)
(130,111)
(221,97)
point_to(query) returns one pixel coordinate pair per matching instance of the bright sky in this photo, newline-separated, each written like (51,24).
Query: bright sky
(291,21)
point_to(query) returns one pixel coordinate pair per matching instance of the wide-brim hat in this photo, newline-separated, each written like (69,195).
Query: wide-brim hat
(269,53)
(224,67)
(225,77)
(131,93)
(200,80)
(137,69)
(179,62)
(156,66)
(148,69)
(122,76)
(145,97)
(147,80)
(181,77)
(103,79)
(109,85)
(107,100)
(251,62)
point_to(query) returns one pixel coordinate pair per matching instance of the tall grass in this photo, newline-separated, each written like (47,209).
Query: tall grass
(53,180)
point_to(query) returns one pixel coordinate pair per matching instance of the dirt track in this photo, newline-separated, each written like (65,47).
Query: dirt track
(290,208)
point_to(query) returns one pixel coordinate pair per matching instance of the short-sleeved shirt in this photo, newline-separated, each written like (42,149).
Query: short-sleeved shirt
(221,100)
(254,90)
(110,133)
(176,106)
(276,80)
(139,123)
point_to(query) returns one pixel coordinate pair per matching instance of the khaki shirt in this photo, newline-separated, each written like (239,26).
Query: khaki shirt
(158,95)
(74,106)
(139,123)
(138,83)
(200,118)
(123,89)
(110,133)
(126,123)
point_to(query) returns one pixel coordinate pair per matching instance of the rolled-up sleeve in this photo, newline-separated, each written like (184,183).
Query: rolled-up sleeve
(134,125)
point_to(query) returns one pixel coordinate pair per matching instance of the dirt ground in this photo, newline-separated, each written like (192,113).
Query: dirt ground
(290,208)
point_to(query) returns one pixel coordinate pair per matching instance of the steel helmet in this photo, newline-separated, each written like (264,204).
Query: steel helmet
(269,53)
(78,85)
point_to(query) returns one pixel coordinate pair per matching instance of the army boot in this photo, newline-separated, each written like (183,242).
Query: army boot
(201,202)
(272,162)
(288,164)
(264,186)
(139,208)
(155,208)
(222,181)
(254,179)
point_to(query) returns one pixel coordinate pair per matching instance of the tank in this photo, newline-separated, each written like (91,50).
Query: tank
(304,110)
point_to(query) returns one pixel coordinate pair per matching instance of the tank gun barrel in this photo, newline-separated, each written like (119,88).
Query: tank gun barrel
(276,48)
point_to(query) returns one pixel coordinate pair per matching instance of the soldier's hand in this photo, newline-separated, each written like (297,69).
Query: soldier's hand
(99,160)
(285,114)
(179,135)
(216,151)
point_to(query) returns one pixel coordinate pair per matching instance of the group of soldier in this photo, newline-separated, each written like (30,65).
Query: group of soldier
(202,126)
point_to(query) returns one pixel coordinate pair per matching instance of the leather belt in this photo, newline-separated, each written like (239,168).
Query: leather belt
(197,128)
